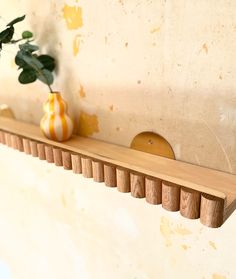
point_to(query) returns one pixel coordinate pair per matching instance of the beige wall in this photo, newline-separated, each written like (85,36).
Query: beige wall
(125,65)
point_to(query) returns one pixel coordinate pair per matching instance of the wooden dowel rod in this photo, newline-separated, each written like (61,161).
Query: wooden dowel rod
(98,172)
(14,141)
(34,149)
(2,135)
(26,145)
(19,143)
(137,185)
(8,139)
(57,155)
(123,180)
(109,175)
(41,151)
(153,188)
(87,167)
(49,153)
(190,203)
(66,160)
(211,211)
(76,163)
(170,196)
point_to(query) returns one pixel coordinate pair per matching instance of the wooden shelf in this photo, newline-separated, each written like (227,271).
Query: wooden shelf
(195,191)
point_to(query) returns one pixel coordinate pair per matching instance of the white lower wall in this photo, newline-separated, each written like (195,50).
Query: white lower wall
(55,224)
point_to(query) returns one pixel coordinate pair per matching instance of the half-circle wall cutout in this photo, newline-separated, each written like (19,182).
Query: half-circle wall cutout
(152,143)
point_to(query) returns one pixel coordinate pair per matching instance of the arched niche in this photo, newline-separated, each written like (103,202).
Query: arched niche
(152,143)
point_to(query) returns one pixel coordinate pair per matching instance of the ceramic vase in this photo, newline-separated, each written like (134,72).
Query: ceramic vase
(56,123)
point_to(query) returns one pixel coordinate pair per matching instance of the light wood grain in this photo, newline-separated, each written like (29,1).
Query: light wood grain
(2,137)
(109,175)
(98,171)
(8,139)
(41,151)
(57,156)
(19,143)
(211,211)
(215,183)
(137,185)
(14,141)
(190,203)
(26,145)
(123,180)
(76,163)
(170,196)
(66,160)
(49,153)
(153,189)
(87,169)
(34,149)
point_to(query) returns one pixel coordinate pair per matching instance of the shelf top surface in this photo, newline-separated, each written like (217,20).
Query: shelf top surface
(202,179)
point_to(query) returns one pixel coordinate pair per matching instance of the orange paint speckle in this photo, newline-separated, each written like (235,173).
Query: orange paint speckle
(212,244)
(73,17)
(88,124)
(218,276)
(81,92)
(155,30)
(76,43)
(204,48)
(185,247)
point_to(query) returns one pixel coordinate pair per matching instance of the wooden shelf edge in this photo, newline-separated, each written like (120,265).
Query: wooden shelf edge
(215,183)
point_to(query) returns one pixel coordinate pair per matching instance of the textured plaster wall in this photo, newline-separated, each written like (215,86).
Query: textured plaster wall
(72,228)
(161,66)
(124,67)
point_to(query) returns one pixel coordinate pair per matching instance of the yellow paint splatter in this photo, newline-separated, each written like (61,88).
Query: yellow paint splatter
(212,244)
(88,124)
(168,230)
(182,231)
(63,200)
(154,30)
(111,108)
(76,44)
(82,92)
(73,16)
(218,276)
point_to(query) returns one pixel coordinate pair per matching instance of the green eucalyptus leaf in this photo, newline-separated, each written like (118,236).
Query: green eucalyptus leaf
(30,60)
(47,61)
(27,35)
(14,21)
(27,76)
(27,47)
(6,35)
(45,76)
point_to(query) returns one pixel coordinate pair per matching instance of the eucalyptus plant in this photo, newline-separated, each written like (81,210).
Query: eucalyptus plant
(32,65)
(6,36)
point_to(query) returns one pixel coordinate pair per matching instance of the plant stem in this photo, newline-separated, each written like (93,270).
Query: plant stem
(50,88)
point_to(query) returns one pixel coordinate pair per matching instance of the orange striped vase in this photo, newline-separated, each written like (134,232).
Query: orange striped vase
(56,123)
